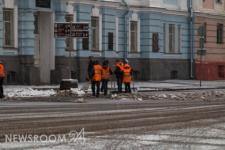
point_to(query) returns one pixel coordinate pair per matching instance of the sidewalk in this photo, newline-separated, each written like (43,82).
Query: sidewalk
(167,85)
(178,85)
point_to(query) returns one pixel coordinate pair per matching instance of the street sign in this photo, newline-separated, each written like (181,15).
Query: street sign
(80,26)
(80,34)
(62,30)
(74,30)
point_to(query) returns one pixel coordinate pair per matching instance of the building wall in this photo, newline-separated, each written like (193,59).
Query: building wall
(215,55)
(210,13)
(114,18)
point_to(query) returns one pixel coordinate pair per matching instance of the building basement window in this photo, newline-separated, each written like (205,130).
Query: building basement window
(221,72)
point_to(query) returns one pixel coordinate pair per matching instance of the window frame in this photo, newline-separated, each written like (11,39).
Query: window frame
(134,37)
(172,38)
(219,33)
(11,23)
(110,41)
(155,42)
(95,46)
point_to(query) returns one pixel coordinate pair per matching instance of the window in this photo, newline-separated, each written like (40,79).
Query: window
(219,33)
(155,42)
(43,3)
(95,33)
(221,72)
(133,36)
(11,77)
(8,18)
(85,43)
(110,41)
(219,1)
(171,38)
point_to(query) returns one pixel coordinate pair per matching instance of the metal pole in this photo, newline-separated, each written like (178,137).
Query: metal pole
(70,50)
(200,70)
(191,16)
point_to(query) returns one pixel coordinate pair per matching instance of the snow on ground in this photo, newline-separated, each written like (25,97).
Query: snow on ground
(206,138)
(78,92)
(28,92)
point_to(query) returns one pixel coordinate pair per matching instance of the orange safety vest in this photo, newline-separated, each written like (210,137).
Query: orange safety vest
(97,73)
(2,70)
(127,74)
(105,73)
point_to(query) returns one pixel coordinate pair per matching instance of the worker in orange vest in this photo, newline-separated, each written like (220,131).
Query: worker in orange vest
(2,76)
(127,76)
(96,78)
(119,74)
(106,74)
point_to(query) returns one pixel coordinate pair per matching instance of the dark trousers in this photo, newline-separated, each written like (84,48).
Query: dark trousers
(1,87)
(93,85)
(119,84)
(127,87)
(104,87)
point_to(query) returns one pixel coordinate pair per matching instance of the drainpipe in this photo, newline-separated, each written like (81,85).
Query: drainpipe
(191,38)
(125,51)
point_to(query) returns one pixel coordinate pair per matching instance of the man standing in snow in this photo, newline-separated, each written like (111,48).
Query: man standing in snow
(2,76)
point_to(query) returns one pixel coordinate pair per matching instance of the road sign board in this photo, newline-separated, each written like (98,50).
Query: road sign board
(76,30)
(80,34)
(79,26)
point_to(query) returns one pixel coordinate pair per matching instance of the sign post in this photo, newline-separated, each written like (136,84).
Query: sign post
(71,30)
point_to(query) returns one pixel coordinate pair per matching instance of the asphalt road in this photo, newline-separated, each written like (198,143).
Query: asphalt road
(104,117)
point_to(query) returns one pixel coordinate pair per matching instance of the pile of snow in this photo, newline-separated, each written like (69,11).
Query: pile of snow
(198,95)
(73,92)
(78,92)
(28,92)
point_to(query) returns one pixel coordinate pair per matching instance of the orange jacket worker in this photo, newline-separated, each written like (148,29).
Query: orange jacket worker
(127,70)
(2,76)
(97,72)
(106,74)
(96,78)
(127,76)
(2,70)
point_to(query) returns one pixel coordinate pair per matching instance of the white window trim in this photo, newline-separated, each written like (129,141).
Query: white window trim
(75,39)
(100,32)
(117,35)
(13,5)
(135,17)
(96,13)
(139,36)
(52,65)
(16,27)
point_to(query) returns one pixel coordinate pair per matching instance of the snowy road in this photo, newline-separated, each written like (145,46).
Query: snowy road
(119,124)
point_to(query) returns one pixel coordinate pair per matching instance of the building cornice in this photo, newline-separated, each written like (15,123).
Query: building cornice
(140,9)
(210,15)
